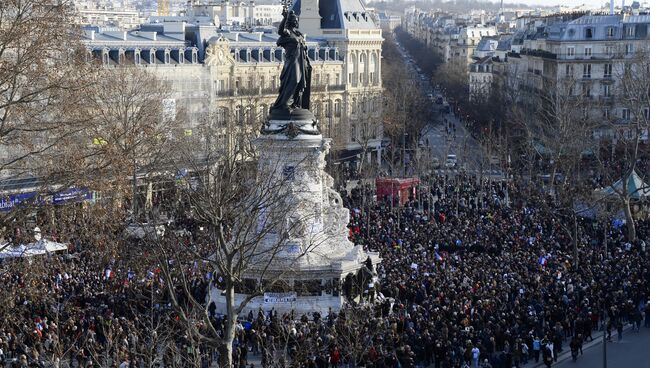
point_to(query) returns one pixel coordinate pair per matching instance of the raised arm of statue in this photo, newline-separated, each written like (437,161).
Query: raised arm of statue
(282,28)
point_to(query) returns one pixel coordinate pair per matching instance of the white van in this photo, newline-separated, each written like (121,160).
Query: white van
(451,161)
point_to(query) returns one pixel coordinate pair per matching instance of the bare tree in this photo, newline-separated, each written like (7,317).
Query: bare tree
(129,135)
(562,133)
(629,135)
(43,76)
(245,221)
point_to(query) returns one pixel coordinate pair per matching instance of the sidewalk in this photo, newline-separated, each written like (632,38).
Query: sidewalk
(565,355)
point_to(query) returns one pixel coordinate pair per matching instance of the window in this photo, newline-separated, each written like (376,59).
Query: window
(629,48)
(609,50)
(606,90)
(629,31)
(646,113)
(589,33)
(586,71)
(586,90)
(608,71)
(569,70)
(337,108)
(606,113)
(625,113)
(588,51)
(610,31)
(570,51)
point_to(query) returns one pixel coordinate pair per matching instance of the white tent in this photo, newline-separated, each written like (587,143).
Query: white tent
(636,187)
(40,247)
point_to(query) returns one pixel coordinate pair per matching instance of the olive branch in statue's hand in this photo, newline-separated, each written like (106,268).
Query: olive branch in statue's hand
(286,4)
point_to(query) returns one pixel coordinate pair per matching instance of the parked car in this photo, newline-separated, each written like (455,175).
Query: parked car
(451,161)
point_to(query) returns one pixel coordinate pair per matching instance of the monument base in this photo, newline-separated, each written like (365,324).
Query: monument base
(317,263)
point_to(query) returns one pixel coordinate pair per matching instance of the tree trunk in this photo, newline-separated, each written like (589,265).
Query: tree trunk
(629,220)
(229,333)
(574,240)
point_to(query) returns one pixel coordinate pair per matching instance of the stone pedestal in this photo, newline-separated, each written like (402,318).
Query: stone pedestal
(315,255)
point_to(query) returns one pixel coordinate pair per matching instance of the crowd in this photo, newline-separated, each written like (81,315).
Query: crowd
(472,274)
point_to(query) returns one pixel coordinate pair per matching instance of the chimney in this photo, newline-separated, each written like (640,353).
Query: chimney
(310,17)
(611,7)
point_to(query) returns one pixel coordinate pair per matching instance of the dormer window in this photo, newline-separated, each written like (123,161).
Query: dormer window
(195,57)
(610,31)
(136,57)
(589,33)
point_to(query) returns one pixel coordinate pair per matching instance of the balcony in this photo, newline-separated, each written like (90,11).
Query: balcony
(538,53)
(608,100)
(248,91)
(327,87)
(593,56)
(259,91)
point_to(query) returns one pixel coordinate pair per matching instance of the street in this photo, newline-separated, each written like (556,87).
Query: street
(448,135)
(630,352)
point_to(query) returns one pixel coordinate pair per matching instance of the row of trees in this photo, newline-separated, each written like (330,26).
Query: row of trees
(72,124)
(557,129)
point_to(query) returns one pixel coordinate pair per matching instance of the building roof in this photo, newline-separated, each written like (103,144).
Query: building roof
(341,14)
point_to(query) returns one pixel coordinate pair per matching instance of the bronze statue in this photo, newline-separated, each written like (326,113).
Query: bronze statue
(295,79)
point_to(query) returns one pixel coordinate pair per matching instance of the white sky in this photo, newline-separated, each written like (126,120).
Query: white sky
(591,3)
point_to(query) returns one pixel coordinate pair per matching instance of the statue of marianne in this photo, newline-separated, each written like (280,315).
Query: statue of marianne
(295,79)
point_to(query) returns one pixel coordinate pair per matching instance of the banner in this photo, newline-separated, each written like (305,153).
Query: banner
(279,298)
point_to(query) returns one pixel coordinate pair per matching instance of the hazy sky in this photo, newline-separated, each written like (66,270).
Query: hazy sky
(593,3)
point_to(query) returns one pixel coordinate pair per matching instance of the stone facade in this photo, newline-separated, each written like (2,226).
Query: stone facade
(311,246)
(232,76)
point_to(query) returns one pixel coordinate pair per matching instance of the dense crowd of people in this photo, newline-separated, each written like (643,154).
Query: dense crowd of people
(472,274)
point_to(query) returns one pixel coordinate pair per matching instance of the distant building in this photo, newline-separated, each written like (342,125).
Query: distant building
(234,75)
(591,52)
(387,22)
(109,17)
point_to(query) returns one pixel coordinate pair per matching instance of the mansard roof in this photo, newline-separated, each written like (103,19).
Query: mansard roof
(341,14)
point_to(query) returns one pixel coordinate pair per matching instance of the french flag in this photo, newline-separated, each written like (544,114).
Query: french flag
(543,260)
(438,257)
